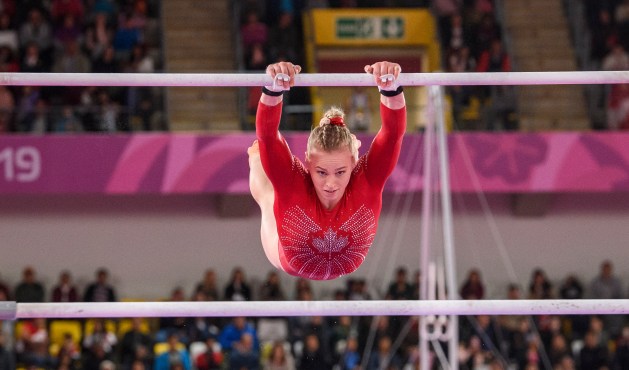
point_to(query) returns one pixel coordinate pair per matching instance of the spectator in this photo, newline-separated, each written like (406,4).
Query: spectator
(237,289)
(350,358)
(125,38)
(8,34)
(7,109)
(176,355)
(29,289)
(608,286)
(271,289)
(107,112)
(106,62)
(244,354)
(253,31)
(69,353)
(134,342)
(283,39)
(201,328)
(101,337)
(617,59)
(312,357)
(540,287)
(65,291)
(68,31)
(8,61)
(621,356)
(71,60)
(302,285)
(32,346)
(7,359)
(100,290)
(32,60)
(67,121)
(233,331)
(5,291)
(473,287)
(178,325)
(60,9)
(279,359)
(484,34)
(208,286)
(594,354)
(36,30)
(98,36)
(604,37)
(212,358)
(384,357)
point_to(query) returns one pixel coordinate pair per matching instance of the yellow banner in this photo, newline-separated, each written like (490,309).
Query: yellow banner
(378,27)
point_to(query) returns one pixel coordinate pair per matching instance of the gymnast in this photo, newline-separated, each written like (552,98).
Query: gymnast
(319,218)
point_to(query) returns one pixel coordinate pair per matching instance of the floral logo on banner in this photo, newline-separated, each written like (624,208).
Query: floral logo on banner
(512,157)
(607,157)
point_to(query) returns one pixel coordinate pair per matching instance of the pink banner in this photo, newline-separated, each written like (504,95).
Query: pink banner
(185,163)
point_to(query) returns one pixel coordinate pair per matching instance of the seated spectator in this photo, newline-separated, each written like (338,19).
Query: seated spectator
(621,356)
(473,287)
(8,34)
(135,16)
(208,286)
(494,59)
(7,110)
(558,350)
(69,353)
(135,345)
(177,325)
(283,38)
(400,289)
(383,357)
(608,286)
(7,358)
(616,60)
(271,289)
(126,37)
(232,332)
(594,354)
(212,358)
(350,358)
(244,354)
(98,37)
(100,290)
(540,287)
(237,289)
(29,289)
(106,62)
(108,112)
(67,121)
(8,61)
(201,328)
(303,285)
(253,31)
(32,346)
(33,61)
(68,31)
(5,291)
(279,359)
(60,9)
(65,291)
(176,355)
(603,37)
(36,30)
(312,357)
(71,60)
(100,337)
(484,33)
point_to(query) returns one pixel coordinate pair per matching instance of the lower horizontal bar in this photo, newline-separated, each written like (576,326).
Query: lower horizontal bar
(320,308)
(311,79)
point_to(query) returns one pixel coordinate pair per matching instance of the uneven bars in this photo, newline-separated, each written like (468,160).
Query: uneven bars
(13,311)
(311,79)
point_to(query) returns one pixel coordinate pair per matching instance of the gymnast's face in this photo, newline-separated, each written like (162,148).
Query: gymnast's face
(330,172)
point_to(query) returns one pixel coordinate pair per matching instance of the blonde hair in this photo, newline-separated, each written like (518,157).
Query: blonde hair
(329,136)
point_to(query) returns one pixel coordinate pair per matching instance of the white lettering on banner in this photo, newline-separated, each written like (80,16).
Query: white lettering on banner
(22,164)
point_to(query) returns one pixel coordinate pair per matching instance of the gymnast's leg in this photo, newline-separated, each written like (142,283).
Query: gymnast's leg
(263,193)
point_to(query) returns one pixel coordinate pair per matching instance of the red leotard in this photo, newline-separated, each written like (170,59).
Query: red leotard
(317,243)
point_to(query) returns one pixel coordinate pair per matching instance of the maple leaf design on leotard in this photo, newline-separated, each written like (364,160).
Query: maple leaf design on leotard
(322,255)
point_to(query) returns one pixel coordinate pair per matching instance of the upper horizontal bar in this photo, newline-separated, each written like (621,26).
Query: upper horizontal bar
(311,79)
(320,308)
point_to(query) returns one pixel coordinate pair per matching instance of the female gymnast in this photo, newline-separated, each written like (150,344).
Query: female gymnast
(319,218)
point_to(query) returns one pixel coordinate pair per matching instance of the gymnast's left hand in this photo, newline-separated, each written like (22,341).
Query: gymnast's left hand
(283,74)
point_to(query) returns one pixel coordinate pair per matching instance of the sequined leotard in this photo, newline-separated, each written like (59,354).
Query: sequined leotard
(314,242)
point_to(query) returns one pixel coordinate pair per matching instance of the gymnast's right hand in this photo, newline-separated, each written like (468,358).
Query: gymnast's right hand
(283,75)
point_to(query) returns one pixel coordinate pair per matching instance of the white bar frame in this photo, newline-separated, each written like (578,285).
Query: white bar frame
(311,79)
(12,310)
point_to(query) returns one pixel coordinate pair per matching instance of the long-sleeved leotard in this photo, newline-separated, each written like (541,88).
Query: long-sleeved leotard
(314,242)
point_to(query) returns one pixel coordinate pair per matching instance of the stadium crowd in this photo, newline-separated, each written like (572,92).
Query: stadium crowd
(79,36)
(486,342)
